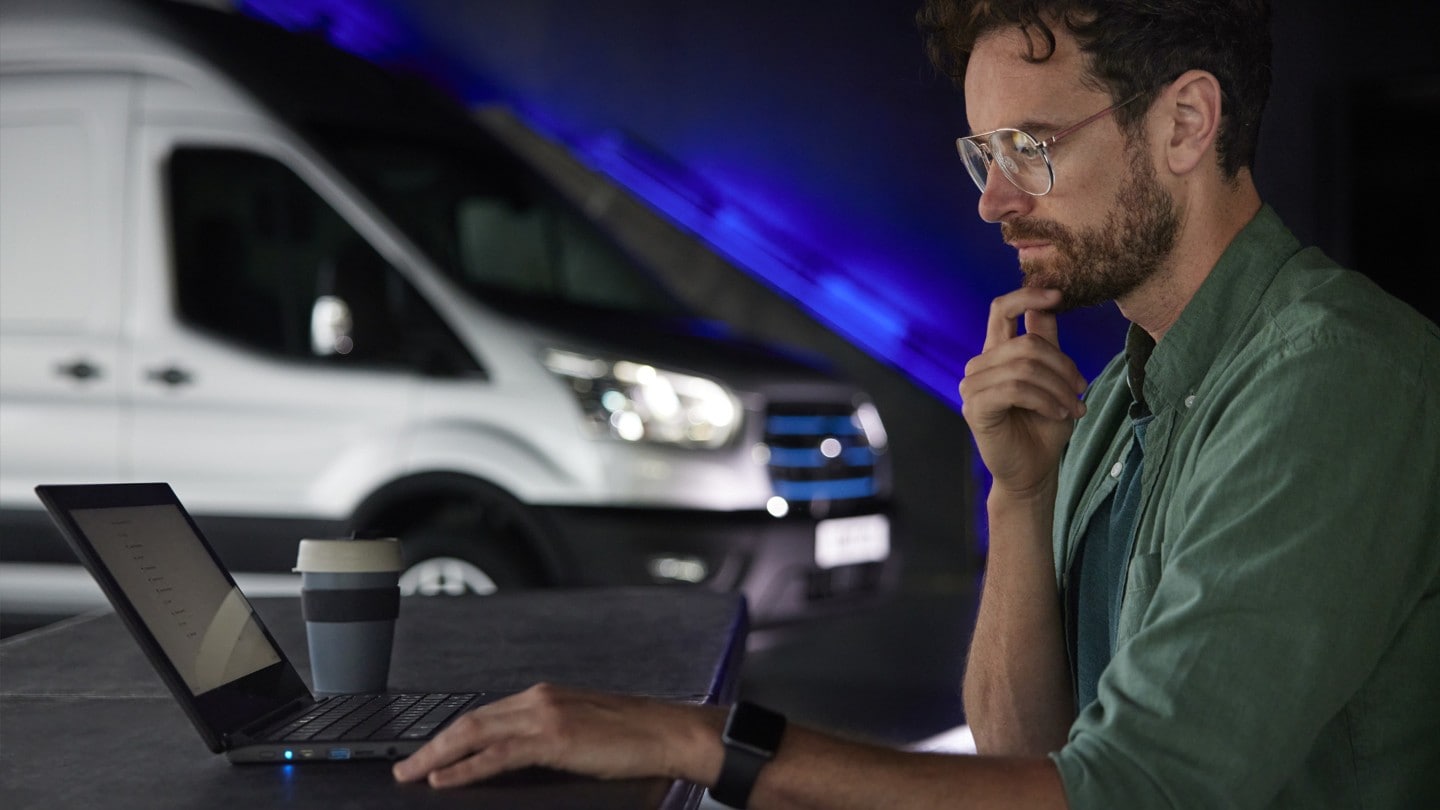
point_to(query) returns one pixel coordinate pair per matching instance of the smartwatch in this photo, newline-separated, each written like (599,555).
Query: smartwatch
(752,735)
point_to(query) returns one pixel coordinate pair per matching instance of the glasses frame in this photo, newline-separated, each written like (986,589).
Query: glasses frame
(981,142)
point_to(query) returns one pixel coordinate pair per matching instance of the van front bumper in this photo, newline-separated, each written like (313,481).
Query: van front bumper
(771,560)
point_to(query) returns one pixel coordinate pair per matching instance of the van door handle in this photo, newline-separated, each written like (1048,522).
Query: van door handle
(171,376)
(80,369)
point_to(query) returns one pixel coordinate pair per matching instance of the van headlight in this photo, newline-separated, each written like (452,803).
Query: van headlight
(638,402)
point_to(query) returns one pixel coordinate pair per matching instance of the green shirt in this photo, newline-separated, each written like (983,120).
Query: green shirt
(1278,640)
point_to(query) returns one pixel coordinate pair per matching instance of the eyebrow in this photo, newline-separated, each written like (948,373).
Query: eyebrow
(1031,126)
(1036,128)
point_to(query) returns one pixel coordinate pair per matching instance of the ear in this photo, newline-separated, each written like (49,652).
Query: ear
(1191,119)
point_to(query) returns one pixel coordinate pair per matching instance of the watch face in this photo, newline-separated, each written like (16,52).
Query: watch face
(755,728)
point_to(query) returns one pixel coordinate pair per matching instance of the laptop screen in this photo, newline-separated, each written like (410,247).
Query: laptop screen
(179,602)
(201,621)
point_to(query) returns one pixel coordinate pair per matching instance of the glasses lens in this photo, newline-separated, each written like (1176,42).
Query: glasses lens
(976,161)
(1022,160)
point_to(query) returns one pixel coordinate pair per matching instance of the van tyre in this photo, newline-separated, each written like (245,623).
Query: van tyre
(478,543)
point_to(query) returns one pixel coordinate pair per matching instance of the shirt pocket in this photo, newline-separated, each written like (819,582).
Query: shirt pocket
(1140,582)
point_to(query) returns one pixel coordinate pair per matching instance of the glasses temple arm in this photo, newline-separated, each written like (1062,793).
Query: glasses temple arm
(1097,116)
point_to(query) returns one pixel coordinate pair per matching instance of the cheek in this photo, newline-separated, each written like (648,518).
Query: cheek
(1088,204)
(1088,184)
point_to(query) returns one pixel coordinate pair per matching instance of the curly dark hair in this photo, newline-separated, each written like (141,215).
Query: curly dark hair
(1132,47)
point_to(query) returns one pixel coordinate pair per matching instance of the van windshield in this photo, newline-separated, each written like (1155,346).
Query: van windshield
(494,229)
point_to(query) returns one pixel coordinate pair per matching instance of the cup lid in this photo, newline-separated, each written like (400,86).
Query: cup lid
(348,556)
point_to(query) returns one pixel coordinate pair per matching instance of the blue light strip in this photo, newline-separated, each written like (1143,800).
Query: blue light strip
(834,490)
(812,458)
(809,425)
(364,29)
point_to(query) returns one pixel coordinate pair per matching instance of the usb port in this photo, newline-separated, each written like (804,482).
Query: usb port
(339,753)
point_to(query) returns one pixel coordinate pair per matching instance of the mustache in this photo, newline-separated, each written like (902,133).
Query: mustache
(1019,228)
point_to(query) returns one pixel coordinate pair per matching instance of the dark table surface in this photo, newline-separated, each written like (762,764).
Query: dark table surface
(86,722)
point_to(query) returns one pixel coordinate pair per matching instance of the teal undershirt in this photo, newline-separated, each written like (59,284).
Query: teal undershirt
(1100,564)
(1104,552)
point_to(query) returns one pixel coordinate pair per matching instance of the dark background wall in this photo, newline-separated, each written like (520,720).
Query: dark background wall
(826,122)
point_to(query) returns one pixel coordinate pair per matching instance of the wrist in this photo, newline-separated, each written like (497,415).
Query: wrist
(698,749)
(1037,500)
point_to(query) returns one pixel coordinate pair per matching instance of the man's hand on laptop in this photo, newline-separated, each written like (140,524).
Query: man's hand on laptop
(591,733)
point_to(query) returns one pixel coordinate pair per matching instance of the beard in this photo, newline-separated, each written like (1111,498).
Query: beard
(1105,263)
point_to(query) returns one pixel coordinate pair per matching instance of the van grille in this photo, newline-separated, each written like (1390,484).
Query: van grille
(819,455)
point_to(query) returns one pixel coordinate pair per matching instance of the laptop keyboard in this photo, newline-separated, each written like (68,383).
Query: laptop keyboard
(374,717)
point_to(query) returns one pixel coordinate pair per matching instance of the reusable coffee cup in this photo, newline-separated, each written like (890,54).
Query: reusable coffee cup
(350,592)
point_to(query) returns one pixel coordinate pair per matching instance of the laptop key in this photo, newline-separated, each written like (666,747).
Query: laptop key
(386,715)
(313,721)
(436,717)
(407,718)
(341,726)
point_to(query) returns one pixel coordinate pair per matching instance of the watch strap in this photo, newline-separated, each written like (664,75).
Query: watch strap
(737,777)
(746,755)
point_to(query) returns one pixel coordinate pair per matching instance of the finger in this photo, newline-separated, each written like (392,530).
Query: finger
(1030,354)
(468,734)
(1043,324)
(506,755)
(530,732)
(441,751)
(989,395)
(1006,310)
(1045,373)
(513,716)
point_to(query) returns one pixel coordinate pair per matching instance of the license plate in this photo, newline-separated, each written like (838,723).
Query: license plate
(852,540)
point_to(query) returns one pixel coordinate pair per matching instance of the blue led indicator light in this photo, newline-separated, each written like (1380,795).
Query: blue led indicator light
(289,754)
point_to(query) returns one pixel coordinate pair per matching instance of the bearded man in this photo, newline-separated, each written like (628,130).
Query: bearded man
(1214,571)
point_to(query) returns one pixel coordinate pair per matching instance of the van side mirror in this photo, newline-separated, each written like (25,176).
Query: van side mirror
(330,327)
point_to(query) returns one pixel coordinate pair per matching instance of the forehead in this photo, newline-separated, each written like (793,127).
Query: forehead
(1002,89)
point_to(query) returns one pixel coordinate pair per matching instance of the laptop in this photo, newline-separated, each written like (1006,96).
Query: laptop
(210,647)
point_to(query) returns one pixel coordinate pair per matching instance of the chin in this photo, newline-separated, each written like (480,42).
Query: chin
(1041,274)
(1071,296)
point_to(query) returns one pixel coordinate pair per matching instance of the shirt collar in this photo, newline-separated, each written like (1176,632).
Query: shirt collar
(1138,348)
(1226,300)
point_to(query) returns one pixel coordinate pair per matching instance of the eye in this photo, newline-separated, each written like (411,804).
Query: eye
(1025,147)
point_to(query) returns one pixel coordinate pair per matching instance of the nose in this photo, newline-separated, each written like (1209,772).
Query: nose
(1001,199)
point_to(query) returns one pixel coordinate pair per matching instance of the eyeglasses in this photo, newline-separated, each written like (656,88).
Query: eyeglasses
(1024,160)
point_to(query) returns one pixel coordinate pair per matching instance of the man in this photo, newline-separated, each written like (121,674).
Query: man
(1214,573)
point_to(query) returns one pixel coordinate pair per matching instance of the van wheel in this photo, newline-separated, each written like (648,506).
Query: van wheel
(480,545)
(447,576)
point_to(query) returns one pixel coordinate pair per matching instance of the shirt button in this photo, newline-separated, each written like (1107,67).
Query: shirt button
(1116,470)
(1190,401)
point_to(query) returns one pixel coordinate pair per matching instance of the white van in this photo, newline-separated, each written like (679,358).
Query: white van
(320,300)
